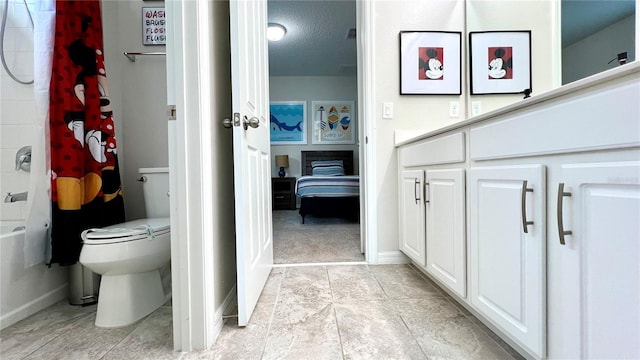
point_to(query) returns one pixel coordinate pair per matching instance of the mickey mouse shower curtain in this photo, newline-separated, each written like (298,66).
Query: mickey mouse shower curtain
(85,179)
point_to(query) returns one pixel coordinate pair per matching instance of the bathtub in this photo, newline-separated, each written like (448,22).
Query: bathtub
(7,227)
(25,291)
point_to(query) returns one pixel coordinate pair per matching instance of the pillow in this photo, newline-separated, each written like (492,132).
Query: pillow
(327,168)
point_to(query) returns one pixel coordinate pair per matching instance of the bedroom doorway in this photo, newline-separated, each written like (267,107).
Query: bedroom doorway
(316,60)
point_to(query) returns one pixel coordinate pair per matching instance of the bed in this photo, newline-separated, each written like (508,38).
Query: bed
(328,195)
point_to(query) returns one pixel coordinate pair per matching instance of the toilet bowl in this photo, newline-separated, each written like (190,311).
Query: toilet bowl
(129,257)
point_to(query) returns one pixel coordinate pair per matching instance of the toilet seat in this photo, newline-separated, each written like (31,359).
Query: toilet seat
(140,229)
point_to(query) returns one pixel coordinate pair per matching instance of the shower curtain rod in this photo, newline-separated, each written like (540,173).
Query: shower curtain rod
(132,55)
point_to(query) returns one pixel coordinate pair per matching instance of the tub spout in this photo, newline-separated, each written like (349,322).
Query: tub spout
(15,197)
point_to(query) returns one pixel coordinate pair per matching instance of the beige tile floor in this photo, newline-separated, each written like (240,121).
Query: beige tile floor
(305,312)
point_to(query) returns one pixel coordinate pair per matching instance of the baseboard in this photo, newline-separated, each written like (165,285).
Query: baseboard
(228,306)
(34,306)
(392,257)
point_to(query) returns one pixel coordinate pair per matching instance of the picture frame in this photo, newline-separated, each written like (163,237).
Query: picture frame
(154,26)
(500,62)
(334,122)
(430,63)
(288,122)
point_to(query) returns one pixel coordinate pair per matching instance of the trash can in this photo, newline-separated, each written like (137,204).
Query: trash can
(83,285)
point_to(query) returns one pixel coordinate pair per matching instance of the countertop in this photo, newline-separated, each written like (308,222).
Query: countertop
(403,137)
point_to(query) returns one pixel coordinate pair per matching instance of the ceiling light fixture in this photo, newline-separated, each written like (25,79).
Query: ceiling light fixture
(275,32)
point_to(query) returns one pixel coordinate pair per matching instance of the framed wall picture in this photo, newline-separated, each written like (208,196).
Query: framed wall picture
(430,63)
(154,26)
(500,62)
(288,122)
(334,122)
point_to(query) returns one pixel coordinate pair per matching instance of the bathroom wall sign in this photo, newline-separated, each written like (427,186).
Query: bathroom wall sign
(154,26)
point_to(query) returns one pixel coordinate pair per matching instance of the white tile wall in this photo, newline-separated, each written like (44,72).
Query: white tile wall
(17,105)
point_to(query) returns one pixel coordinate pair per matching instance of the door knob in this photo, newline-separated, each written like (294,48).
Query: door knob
(227,123)
(254,122)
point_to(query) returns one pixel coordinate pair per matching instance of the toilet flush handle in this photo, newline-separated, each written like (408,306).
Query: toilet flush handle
(142,179)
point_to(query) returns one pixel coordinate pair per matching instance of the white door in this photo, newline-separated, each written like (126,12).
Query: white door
(411,217)
(600,271)
(251,151)
(445,214)
(507,256)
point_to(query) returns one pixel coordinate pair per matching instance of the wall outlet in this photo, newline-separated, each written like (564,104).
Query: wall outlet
(476,108)
(387,110)
(454,109)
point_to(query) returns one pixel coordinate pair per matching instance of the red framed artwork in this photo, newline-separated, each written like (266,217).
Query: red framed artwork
(430,63)
(500,62)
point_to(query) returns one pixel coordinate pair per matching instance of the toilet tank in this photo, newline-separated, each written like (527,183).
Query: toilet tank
(155,188)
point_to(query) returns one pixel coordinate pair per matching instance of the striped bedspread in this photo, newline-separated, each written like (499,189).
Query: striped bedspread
(328,186)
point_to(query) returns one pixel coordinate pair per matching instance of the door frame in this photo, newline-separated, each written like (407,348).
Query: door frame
(195,322)
(365,16)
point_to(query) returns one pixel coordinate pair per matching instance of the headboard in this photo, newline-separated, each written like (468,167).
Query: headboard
(309,156)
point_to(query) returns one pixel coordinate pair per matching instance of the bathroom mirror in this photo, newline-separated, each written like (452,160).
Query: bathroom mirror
(571,39)
(597,35)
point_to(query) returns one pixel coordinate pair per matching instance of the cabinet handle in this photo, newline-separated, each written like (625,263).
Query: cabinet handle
(561,231)
(426,192)
(523,203)
(416,186)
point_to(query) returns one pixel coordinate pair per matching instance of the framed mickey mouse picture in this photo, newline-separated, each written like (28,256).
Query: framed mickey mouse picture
(500,62)
(430,63)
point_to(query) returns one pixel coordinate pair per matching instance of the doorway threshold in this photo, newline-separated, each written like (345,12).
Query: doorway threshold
(321,264)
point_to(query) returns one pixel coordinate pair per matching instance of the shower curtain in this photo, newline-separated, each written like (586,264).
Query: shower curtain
(38,220)
(85,179)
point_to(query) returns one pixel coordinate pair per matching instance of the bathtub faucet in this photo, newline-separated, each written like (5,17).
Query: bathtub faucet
(23,159)
(15,197)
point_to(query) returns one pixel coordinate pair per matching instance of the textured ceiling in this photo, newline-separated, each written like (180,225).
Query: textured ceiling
(316,43)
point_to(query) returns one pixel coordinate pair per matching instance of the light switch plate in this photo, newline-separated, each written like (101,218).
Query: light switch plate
(454,109)
(476,108)
(387,110)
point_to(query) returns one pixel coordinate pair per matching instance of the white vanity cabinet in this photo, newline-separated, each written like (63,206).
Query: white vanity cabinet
(507,250)
(552,218)
(411,218)
(445,222)
(432,208)
(587,138)
(597,241)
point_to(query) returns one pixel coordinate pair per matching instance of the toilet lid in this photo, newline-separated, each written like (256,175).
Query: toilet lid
(127,231)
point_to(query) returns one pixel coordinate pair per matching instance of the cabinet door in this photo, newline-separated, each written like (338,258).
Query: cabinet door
(507,256)
(445,213)
(411,212)
(600,261)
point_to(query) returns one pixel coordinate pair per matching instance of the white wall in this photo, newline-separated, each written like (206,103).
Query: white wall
(139,93)
(411,112)
(17,106)
(542,18)
(420,113)
(593,54)
(310,88)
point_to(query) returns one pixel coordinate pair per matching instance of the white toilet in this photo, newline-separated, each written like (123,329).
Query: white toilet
(129,257)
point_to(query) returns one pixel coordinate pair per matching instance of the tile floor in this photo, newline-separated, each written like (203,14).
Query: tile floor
(305,312)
